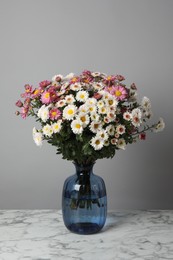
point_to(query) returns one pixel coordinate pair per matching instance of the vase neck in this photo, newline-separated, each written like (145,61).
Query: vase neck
(84,169)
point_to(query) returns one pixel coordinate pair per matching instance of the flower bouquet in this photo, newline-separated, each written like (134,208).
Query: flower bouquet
(86,117)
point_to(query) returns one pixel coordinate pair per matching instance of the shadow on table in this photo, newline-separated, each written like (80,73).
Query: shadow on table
(116,219)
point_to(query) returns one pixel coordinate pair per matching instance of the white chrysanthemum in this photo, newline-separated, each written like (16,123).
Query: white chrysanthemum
(70,99)
(82,96)
(96,74)
(110,130)
(127,116)
(136,117)
(84,118)
(120,129)
(83,108)
(146,105)
(59,76)
(102,134)
(77,126)
(57,126)
(94,117)
(95,126)
(111,116)
(91,101)
(121,144)
(106,95)
(159,126)
(136,111)
(61,103)
(111,102)
(37,136)
(69,76)
(102,110)
(69,112)
(43,113)
(100,103)
(97,143)
(38,139)
(47,130)
(76,86)
(92,109)
(98,86)
(114,141)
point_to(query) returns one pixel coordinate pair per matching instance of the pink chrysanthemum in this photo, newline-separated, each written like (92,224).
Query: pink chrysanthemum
(46,97)
(119,92)
(44,83)
(54,114)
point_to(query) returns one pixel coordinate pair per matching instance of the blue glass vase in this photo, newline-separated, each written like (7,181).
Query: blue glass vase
(84,201)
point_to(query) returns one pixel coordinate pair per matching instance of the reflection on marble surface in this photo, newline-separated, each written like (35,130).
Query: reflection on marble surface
(41,235)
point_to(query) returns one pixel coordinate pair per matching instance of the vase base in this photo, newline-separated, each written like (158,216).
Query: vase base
(84,228)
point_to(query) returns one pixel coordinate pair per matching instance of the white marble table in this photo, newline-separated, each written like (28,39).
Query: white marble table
(41,235)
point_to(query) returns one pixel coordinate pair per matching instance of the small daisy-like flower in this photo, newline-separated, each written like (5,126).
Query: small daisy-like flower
(92,109)
(111,102)
(46,97)
(159,126)
(38,137)
(74,80)
(69,112)
(57,126)
(119,92)
(111,116)
(110,130)
(47,130)
(57,78)
(98,86)
(136,117)
(106,119)
(54,114)
(83,108)
(84,118)
(96,74)
(100,104)
(61,103)
(102,134)
(120,129)
(82,96)
(70,99)
(146,105)
(95,117)
(43,113)
(114,141)
(97,143)
(76,86)
(77,126)
(95,126)
(91,101)
(127,116)
(102,110)
(121,144)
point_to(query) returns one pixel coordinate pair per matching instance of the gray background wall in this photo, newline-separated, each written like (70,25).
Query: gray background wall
(39,39)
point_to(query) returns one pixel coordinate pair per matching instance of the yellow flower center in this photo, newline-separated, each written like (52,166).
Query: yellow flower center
(74,80)
(83,119)
(97,142)
(70,111)
(78,126)
(118,93)
(54,113)
(110,102)
(82,96)
(47,95)
(36,92)
(109,78)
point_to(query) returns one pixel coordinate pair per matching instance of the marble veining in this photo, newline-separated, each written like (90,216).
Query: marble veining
(127,235)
